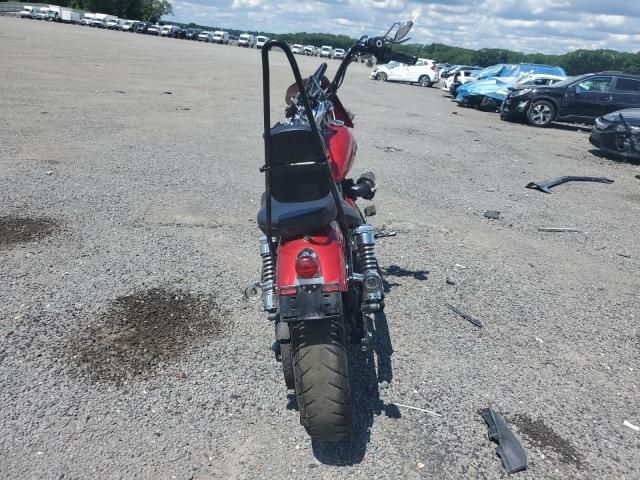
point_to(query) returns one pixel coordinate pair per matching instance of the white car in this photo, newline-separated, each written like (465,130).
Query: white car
(246,40)
(296,48)
(424,72)
(460,76)
(339,53)
(169,30)
(113,24)
(261,40)
(309,50)
(154,30)
(130,25)
(204,36)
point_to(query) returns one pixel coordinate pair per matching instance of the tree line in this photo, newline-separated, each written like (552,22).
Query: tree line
(146,10)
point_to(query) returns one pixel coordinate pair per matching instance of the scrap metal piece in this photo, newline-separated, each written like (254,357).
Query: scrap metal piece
(466,316)
(558,229)
(509,449)
(492,215)
(544,186)
(382,233)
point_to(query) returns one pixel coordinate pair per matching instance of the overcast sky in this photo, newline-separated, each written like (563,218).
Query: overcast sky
(548,26)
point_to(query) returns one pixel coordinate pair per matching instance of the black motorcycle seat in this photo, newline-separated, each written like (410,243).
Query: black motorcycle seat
(297,218)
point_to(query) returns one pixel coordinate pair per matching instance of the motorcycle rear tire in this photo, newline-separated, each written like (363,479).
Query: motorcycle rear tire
(322,382)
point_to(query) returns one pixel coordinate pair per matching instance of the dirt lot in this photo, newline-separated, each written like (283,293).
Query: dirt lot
(130,183)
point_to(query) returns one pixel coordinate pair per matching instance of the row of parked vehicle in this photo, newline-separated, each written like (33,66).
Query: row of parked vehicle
(539,95)
(326,51)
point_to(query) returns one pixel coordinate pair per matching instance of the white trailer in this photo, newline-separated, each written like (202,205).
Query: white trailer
(69,16)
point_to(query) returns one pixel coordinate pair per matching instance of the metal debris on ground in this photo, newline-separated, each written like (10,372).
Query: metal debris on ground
(623,255)
(466,316)
(430,412)
(183,108)
(492,215)
(168,93)
(558,229)
(627,423)
(382,233)
(509,448)
(389,149)
(546,185)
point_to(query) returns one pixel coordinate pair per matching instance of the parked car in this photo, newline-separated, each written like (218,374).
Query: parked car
(424,72)
(141,27)
(339,53)
(618,133)
(246,40)
(326,51)
(153,30)
(130,25)
(261,40)
(310,50)
(86,22)
(220,37)
(113,24)
(192,34)
(169,30)
(448,76)
(460,78)
(503,73)
(205,36)
(489,94)
(41,14)
(296,48)
(585,97)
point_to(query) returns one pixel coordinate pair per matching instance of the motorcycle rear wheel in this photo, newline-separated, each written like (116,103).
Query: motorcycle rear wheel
(322,381)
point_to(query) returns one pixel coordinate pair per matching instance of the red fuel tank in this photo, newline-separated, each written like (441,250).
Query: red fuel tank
(341,147)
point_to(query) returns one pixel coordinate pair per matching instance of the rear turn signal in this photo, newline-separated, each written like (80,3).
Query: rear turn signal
(307,264)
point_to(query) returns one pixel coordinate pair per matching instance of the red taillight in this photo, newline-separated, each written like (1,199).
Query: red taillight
(307,264)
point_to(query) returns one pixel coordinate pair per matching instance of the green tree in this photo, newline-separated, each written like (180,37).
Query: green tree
(154,9)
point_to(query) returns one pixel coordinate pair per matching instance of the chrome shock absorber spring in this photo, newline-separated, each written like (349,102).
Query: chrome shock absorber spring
(268,278)
(372,281)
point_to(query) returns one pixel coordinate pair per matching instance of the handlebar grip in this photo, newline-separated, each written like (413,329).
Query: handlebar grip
(404,58)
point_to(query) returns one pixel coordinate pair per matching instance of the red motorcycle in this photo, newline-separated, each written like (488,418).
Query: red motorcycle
(320,277)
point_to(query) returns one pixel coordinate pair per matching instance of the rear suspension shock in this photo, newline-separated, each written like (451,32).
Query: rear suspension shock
(373,291)
(268,278)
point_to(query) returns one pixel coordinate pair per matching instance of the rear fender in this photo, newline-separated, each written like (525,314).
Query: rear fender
(329,245)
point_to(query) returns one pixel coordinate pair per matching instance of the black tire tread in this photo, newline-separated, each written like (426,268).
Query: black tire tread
(321,371)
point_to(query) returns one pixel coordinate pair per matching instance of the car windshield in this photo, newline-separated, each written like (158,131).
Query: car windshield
(570,80)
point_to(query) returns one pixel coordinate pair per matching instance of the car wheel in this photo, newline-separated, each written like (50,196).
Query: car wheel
(382,76)
(541,113)
(424,81)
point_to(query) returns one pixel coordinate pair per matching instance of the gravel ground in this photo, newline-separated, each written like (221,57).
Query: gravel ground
(130,183)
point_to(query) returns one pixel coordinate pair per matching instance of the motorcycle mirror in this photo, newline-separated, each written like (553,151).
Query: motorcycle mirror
(402,31)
